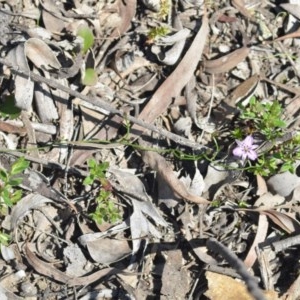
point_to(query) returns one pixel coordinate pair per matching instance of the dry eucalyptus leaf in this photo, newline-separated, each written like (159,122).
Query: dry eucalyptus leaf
(44,103)
(23,86)
(159,164)
(261,234)
(134,185)
(196,184)
(226,62)
(41,54)
(140,225)
(50,271)
(175,82)
(90,237)
(261,185)
(284,220)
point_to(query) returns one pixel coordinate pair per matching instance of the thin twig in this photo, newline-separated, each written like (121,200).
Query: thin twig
(215,246)
(104,105)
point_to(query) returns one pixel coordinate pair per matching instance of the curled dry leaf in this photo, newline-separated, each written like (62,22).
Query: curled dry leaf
(177,40)
(226,62)
(43,57)
(171,56)
(48,270)
(159,164)
(41,54)
(24,206)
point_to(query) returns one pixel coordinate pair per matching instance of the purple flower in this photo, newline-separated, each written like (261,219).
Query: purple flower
(246,149)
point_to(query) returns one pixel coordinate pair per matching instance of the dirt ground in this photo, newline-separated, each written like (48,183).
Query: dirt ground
(149,149)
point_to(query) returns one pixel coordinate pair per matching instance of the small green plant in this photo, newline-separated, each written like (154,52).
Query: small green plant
(156,33)
(89,75)
(88,38)
(8,107)
(9,195)
(4,238)
(105,210)
(8,181)
(265,119)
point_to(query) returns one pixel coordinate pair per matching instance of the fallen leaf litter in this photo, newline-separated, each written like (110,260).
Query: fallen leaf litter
(153,109)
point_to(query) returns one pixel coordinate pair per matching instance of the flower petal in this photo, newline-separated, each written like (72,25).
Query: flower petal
(252,155)
(238,151)
(248,141)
